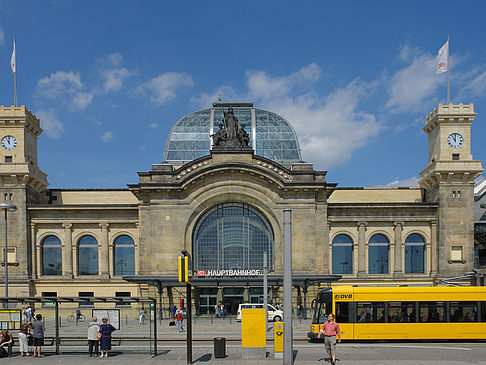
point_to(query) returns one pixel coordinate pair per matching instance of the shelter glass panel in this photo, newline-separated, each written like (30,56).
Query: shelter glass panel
(232,236)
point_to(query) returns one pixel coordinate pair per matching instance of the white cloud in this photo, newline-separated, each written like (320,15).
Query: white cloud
(114,78)
(2,37)
(265,87)
(412,88)
(67,86)
(206,100)
(476,86)
(413,181)
(113,75)
(82,100)
(162,88)
(329,131)
(50,123)
(107,136)
(153,125)
(115,59)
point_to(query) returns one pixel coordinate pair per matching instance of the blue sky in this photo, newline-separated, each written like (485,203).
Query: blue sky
(109,79)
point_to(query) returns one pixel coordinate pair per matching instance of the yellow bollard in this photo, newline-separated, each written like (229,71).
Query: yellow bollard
(278,331)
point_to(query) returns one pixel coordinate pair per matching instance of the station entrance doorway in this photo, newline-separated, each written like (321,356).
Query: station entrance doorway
(232,297)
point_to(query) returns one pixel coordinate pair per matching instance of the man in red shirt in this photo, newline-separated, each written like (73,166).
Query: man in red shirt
(330,330)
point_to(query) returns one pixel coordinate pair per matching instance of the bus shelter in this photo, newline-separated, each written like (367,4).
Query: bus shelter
(66,320)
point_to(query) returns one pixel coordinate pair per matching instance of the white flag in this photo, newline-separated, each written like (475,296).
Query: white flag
(12,60)
(443,59)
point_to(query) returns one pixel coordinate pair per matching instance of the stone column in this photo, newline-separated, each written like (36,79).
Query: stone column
(105,257)
(67,265)
(361,249)
(434,255)
(398,272)
(33,263)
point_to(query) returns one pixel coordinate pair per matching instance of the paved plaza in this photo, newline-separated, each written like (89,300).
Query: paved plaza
(305,353)
(172,348)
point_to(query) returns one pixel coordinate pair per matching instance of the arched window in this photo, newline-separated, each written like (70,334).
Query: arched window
(232,236)
(378,254)
(51,256)
(342,254)
(88,256)
(414,254)
(124,256)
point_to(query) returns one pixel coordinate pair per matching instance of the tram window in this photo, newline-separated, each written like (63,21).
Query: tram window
(483,312)
(432,311)
(371,312)
(402,312)
(464,311)
(323,309)
(342,312)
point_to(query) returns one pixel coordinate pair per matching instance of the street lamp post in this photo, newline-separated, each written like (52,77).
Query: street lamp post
(5,207)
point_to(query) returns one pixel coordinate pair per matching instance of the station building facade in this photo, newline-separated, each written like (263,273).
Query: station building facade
(225,207)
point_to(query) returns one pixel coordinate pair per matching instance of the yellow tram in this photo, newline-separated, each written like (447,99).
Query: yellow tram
(402,313)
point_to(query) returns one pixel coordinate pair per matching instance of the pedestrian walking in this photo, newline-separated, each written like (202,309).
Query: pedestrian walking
(24,335)
(38,331)
(93,342)
(6,341)
(179,317)
(299,310)
(330,329)
(222,310)
(141,316)
(105,332)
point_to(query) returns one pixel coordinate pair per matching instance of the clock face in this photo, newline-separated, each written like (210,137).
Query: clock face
(9,143)
(455,140)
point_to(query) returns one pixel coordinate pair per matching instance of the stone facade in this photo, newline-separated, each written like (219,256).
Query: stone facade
(160,213)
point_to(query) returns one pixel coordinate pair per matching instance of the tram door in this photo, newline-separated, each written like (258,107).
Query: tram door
(208,299)
(232,297)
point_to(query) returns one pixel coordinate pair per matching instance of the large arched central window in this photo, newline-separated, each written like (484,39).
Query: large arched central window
(232,236)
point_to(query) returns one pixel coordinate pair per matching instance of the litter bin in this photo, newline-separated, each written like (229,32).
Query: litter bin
(219,347)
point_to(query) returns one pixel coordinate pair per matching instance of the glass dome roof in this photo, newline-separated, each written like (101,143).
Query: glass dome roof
(271,135)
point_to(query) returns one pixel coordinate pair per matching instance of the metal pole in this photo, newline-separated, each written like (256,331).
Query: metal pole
(57,327)
(265,289)
(155,327)
(5,259)
(5,207)
(189,324)
(287,283)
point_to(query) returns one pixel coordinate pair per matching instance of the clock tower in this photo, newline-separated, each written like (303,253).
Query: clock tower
(21,182)
(448,180)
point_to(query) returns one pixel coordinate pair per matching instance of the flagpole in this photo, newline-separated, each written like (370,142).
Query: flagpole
(15,89)
(448,73)
(13,64)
